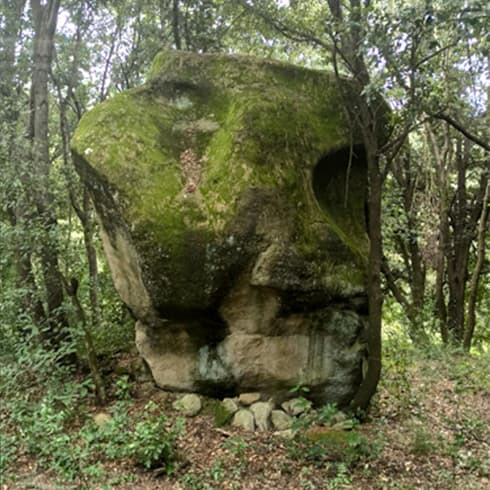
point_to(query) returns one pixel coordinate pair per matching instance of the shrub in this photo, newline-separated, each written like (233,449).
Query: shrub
(154,440)
(151,444)
(423,443)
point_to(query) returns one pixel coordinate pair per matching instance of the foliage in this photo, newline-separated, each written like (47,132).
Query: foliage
(341,477)
(470,373)
(9,446)
(37,420)
(44,429)
(154,442)
(83,454)
(318,439)
(49,419)
(221,414)
(237,446)
(422,443)
(327,413)
(148,438)
(398,358)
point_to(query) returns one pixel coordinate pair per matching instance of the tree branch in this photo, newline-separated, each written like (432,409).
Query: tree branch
(434,54)
(289,32)
(393,287)
(459,127)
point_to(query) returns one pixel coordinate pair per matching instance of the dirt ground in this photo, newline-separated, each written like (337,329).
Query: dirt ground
(428,428)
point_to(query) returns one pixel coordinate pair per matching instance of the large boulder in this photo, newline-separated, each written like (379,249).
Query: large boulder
(231,205)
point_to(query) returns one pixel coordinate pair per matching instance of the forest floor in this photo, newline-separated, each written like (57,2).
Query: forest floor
(428,428)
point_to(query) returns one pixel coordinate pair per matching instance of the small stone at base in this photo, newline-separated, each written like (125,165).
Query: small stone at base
(249,398)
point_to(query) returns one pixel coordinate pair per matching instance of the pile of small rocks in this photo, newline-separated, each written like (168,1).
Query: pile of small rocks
(249,412)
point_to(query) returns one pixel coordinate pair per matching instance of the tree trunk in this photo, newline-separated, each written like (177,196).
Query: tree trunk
(84,215)
(88,239)
(26,283)
(44,19)
(72,290)
(375,297)
(408,244)
(480,254)
(12,14)
(475,277)
(457,261)
(176,24)
(83,212)
(367,119)
(25,279)
(441,157)
(440,303)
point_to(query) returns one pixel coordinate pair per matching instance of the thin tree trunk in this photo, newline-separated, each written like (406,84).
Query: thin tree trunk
(441,157)
(10,36)
(413,258)
(475,277)
(375,296)
(480,255)
(44,19)
(91,253)
(27,283)
(84,215)
(440,303)
(176,23)
(71,290)
(457,261)
(25,279)
(365,118)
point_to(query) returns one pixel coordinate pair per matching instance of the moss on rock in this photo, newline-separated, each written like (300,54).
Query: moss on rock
(180,151)
(223,176)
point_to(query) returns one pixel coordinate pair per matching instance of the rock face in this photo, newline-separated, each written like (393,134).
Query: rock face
(231,210)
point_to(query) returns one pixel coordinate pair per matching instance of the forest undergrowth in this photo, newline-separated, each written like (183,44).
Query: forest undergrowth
(428,428)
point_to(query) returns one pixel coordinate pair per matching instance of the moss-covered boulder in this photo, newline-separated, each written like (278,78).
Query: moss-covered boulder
(231,203)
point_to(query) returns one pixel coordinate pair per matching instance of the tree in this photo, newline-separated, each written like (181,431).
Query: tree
(463,216)
(478,268)
(452,178)
(44,17)
(369,115)
(403,236)
(346,25)
(13,153)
